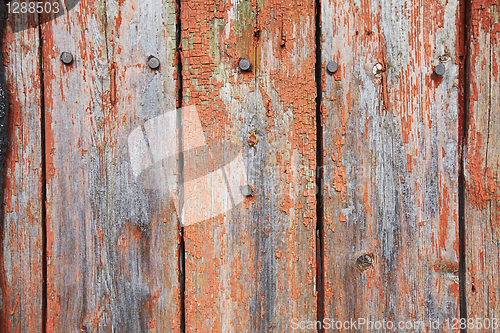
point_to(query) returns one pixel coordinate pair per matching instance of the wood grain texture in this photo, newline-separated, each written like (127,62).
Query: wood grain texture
(252,268)
(112,243)
(391,131)
(390,160)
(21,228)
(481,164)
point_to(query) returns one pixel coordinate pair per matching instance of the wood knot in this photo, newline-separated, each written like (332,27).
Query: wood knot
(252,139)
(283,41)
(365,261)
(83,328)
(256,33)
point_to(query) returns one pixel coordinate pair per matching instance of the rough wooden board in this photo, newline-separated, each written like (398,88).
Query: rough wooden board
(390,160)
(112,244)
(21,230)
(252,269)
(482,159)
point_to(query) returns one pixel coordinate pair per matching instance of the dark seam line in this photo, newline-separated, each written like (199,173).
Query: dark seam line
(43,183)
(180,168)
(4,118)
(461,177)
(319,173)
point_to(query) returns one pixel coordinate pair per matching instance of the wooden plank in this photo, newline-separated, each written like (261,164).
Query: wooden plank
(250,265)
(481,165)
(390,161)
(112,242)
(21,228)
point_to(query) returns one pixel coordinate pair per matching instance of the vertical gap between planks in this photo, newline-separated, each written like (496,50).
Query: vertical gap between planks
(43,182)
(319,172)
(180,168)
(465,81)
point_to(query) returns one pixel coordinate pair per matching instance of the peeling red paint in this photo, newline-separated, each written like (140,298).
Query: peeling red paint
(386,117)
(247,32)
(481,156)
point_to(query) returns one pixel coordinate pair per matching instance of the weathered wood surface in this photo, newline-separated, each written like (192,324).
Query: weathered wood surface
(481,164)
(390,160)
(21,231)
(391,139)
(112,245)
(252,268)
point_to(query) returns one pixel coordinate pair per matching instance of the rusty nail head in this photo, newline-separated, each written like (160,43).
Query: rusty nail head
(439,69)
(332,67)
(83,328)
(66,58)
(245,65)
(246,190)
(153,62)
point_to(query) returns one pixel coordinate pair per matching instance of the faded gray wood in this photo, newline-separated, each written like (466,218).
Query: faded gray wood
(21,229)
(112,243)
(390,195)
(390,161)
